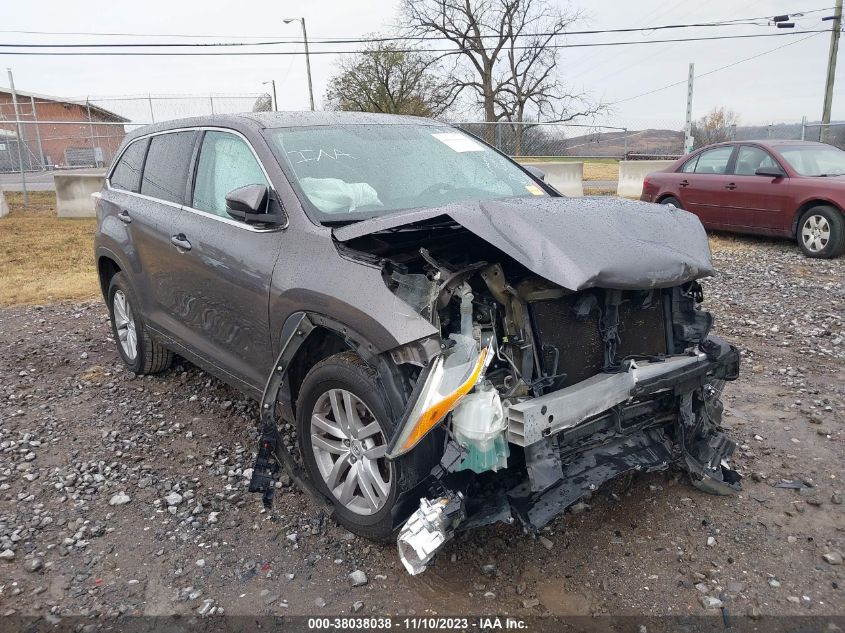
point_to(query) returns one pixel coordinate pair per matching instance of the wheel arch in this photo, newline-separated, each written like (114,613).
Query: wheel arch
(806,206)
(107,268)
(308,338)
(663,196)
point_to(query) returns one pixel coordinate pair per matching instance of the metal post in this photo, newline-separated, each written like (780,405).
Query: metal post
(211,100)
(625,149)
(20,137)
(91,131)
(803,127)
(688,140)
(275,100)
(831,70)
(308,61)
(37,133)
(499,138)
(152,114)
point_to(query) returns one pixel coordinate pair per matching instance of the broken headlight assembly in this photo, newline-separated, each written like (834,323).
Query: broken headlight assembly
(446,380)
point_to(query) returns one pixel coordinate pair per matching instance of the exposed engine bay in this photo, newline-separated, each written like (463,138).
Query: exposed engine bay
(542,393)
(556,365)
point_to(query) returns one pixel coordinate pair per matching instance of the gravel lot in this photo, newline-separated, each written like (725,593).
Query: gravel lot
(123,495)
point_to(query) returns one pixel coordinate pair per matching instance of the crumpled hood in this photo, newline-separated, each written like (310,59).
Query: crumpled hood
(577,242)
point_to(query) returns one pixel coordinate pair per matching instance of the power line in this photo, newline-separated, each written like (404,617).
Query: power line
(398,50)
(715,70)
(752,21)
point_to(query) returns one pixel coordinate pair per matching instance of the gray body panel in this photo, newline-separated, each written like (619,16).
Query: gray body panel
(578,242)
(223,304)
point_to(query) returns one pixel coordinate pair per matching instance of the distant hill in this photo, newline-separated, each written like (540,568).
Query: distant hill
(552,140)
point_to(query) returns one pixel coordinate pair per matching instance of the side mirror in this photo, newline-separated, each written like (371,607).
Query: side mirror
(539,174)
(771,172)
(251,204)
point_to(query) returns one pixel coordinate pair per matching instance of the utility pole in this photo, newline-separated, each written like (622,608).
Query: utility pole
(275,104)
(307,56)
(20,137)
(688,140)
(831,69)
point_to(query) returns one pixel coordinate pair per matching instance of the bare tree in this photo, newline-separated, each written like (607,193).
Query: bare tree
(264,103)
(386,78)
(716,126)
(505,55)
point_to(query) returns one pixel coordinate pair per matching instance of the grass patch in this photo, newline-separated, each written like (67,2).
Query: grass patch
(594,168)
(565,159)
(601,171)
(44,258)
(597,191)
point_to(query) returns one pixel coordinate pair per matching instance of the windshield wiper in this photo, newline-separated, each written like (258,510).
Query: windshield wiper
(830,175)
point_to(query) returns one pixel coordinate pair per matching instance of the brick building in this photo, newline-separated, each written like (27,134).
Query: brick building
(68,134)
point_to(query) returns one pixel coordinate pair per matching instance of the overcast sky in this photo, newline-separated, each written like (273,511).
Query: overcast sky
(777,87)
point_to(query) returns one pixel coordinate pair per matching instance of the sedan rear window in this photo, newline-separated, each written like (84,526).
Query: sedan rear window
(714,161)
(370,170)
(814,160)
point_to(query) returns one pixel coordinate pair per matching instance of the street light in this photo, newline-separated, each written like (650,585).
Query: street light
(275,102)
(307,58)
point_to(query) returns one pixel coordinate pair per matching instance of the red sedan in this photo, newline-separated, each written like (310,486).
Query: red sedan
(793,189)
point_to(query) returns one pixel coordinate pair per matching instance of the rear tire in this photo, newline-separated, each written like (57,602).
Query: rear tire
(673,201)
(348,467)
(821,232)
(142,354)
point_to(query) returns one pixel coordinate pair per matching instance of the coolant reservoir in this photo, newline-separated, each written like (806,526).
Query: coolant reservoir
(479,425)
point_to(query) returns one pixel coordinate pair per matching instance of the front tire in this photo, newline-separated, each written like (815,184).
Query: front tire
(344,424)
(821,232)
(142,354)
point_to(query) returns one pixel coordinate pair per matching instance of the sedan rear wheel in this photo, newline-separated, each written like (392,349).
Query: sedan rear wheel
(821,232)
(673,201)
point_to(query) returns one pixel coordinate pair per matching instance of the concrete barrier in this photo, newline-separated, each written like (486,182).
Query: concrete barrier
(73,194)
(632,173)
(568,178)
(4,206)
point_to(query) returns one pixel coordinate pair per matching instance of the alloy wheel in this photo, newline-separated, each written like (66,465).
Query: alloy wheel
(349,449)
(815,233)
(124,323)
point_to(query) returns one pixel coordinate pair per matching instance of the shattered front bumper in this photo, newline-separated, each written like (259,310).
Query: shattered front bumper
(647,417)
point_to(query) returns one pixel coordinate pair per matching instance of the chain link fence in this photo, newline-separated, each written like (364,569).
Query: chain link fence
(832,133)
(53,133)
(553,140)
(48,133)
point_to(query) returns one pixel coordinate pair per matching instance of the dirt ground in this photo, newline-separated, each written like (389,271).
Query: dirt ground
(125,495)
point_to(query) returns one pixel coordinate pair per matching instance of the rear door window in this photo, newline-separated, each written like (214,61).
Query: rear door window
(714,161)
(689,166)
(226,163)
(166,169)
(127,173)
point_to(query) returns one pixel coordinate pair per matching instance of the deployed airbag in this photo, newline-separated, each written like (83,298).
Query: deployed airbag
(332,195)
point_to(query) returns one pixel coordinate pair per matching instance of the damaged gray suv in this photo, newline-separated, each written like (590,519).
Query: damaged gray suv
(454,342)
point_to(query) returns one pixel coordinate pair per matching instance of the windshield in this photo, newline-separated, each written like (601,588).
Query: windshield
(352,171)
(815,160)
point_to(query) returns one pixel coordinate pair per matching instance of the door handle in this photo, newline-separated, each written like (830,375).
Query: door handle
(123,216)
(180,241)
(730,185)
(684,183)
